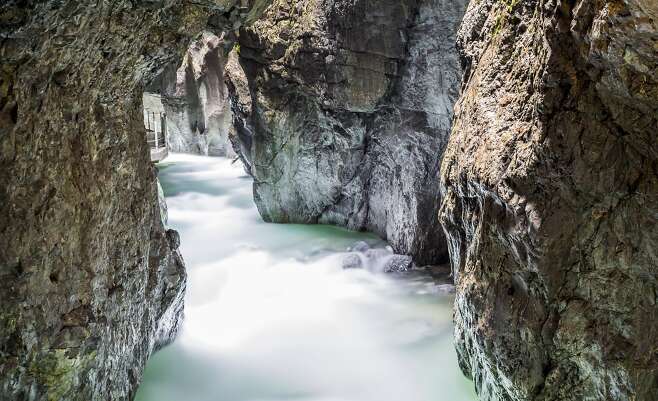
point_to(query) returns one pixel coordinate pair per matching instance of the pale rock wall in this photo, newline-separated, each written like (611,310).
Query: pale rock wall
(349,112)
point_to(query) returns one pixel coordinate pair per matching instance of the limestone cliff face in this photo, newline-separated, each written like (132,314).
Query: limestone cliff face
(350,109)
(551,200)
(90,280)
(195,99)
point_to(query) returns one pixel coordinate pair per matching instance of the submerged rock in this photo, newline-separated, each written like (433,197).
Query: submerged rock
(444,289)
(551,200)
(360,246)
(378,254)
(90,282)
(350,109)
(376,259)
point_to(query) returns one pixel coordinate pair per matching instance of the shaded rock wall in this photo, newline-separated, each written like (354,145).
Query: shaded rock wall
(195,99)
(350,110)
(551,200)
(240,133)
(90,280)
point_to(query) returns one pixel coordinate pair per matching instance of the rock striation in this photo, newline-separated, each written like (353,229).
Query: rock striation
(349,111)
(550,200)
(195,100)
(91,282)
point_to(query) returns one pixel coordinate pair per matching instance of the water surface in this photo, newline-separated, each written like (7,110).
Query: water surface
(271,315)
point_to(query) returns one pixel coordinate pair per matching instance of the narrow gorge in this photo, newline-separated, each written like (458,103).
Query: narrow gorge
(354,200)
(351,104)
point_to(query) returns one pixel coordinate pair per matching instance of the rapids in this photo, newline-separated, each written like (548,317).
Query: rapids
(272,315)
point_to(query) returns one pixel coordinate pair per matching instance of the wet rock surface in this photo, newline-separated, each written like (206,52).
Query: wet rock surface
(398,264)
(352,261)
(90,281)
(444,289)
(382,260)
(350,109)
(550,200)
(360,246)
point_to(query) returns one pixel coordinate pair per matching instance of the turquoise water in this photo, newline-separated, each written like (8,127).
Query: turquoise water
(272,315)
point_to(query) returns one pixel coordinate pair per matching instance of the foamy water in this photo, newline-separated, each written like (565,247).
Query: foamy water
(272,315)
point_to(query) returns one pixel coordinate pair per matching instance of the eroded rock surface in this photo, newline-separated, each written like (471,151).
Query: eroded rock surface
(350,108)
(551,200)
(195,99)
(91,282)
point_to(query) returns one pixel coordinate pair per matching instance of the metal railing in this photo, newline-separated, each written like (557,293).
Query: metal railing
(155,123)
(156,129)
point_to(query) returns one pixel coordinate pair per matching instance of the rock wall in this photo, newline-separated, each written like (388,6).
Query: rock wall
(350,109)
(195,99)
(240,133)
(90,280)
(551,200)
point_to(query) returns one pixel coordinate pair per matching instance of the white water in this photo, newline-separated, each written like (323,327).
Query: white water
(272,315)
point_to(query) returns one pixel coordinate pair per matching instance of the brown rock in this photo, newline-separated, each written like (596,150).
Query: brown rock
(90,282)
(550,185)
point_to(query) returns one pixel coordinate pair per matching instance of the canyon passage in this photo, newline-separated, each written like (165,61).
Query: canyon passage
(516,140)
(271,314)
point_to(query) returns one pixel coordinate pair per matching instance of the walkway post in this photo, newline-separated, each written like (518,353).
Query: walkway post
(163,127)
(155,131)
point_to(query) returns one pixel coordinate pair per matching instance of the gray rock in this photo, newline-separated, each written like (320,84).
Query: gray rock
(378,254)
(398,264)
(90,282)
(173,238)
(240,133)
(360,246)
(195,99)
(162,203)
(551,200)
(444,289)
(351,103)
(352,261)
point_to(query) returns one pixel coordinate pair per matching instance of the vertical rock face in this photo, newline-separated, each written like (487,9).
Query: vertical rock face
(350,109)
(195,99)
(551,200)
(90,280)
(240,133)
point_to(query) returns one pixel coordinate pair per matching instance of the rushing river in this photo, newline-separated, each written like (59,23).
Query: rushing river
(271,314)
